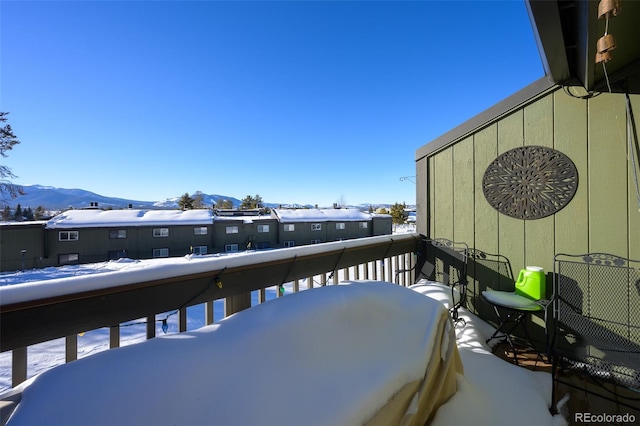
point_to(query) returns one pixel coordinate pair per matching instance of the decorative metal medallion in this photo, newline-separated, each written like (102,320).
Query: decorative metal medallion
(530,182)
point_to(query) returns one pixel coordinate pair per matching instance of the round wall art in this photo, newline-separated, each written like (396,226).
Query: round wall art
(530,182)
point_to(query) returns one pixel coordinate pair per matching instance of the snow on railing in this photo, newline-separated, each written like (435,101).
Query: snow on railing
(159,294)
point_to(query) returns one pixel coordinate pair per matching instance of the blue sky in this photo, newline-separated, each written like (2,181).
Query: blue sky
(309,102)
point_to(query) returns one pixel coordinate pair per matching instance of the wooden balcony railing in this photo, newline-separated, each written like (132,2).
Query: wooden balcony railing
(27,322)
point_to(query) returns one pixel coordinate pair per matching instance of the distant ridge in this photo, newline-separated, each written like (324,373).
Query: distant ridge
(52,199)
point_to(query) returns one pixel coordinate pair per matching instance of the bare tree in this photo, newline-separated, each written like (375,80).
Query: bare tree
(8,139)
(198,200)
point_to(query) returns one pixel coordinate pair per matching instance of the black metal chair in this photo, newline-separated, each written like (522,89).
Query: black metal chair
(511,309)
(595,325)
(444,262)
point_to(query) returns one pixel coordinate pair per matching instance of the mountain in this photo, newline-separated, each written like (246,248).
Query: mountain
(61,199)
(207,200)
(53,199)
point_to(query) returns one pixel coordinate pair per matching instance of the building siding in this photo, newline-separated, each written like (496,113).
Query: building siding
(603,216)
(14,239)
(94,245)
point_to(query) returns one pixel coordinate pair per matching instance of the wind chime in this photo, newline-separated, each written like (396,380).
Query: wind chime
(606,9)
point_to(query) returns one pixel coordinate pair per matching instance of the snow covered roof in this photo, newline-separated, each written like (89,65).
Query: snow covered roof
(320,215)
(129,217)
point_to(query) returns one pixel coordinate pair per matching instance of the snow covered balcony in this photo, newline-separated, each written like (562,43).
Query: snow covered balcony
(145,290)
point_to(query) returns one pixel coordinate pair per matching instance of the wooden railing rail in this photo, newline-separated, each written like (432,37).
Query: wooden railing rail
(28,322)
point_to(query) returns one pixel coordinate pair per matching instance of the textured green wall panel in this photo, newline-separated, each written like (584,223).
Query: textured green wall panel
(608,178)
(463,191)
(432,197)
(443,201)
(486,217)
(422,195)
(538,130)
(511,235)
(608,192)
(570,137)
(603,215)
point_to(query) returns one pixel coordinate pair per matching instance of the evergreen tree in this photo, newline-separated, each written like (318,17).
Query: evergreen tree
(250,202)
(28,214)
(40,213)
(224,204)
(185,202)
(398,214)
(6,213)
(8,140)
(18,213)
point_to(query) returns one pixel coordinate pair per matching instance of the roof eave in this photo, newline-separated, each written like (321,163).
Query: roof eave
(547,29)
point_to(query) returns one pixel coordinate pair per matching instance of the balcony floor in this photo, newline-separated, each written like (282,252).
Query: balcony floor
(579,401)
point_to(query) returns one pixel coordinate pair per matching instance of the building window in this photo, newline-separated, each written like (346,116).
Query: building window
(290,243)
(200,230)
(117,234)
(68,259)
(199,250)
(289,227)
(231,247)
(161,252)
(118,254)
(316,226)
(340,225)
(316,241)
(363,225)
(160,232)
(263,228)
(232,230)
(68,236)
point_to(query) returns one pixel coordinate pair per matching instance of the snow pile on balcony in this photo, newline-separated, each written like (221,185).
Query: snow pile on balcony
(492,391)
(327,356)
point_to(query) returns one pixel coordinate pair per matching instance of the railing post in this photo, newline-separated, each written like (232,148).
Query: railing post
(114,336)
(182,320)
(396,261)
(237,303)
(71,351)
(296,286)
(208,312)
(151,326)
(18,366)
(413,261)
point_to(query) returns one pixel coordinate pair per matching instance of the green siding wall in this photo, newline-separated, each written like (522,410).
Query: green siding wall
(603,216)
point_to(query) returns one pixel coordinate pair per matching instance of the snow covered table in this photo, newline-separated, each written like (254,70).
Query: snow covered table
(355,353)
